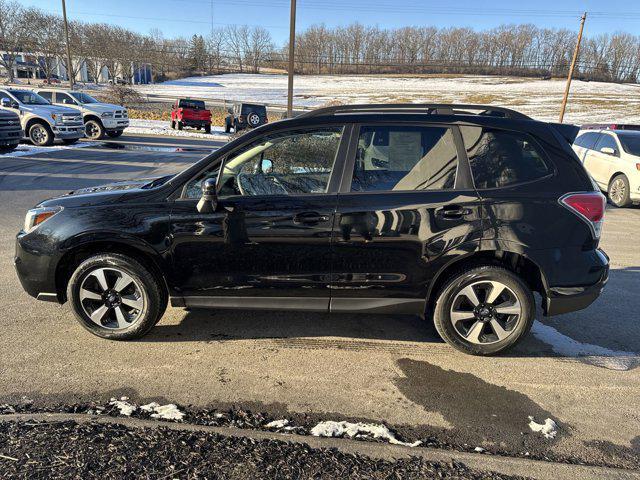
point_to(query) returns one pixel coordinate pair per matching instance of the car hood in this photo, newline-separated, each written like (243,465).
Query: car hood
(102,107)
(49,109)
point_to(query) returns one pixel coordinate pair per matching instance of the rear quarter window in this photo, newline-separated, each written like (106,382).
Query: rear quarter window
(500,158)
(587,140)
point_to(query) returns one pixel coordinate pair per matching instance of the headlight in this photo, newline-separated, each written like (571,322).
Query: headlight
(107,115)
(36,216)
(57,118)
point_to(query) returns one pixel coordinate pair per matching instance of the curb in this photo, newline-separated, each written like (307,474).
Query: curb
(536,469)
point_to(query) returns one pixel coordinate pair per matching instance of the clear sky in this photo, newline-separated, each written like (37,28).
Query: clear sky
(187,17)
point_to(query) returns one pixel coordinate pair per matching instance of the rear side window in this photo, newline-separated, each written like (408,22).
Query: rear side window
(587,140)
(259,109)
(501,158)
(607,141)
(404,158)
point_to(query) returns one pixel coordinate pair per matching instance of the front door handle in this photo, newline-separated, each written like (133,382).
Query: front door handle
(310,218)
(452,212)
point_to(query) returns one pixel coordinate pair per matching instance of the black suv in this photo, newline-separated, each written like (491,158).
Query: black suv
(245,115)
(456,213)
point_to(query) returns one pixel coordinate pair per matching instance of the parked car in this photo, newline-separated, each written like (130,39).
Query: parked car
(245,115)
(52,81)
(190,113)
(611,155)
(42,122)
(10,131)
(475,209)
(99,118)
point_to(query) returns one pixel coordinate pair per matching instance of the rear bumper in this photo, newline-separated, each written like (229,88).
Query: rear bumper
(196,123)
(562,300)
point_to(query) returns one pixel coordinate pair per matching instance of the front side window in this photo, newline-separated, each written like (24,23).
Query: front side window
(607,141)
(83,97)
(46,95)
(64,99)
(500,158)
(404,158)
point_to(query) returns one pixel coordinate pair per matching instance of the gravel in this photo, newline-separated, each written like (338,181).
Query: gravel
(52,450)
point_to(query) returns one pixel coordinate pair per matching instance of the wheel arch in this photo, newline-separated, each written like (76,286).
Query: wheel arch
(34,120)
(614,175)
(73,257)
(516,261)
(91,116)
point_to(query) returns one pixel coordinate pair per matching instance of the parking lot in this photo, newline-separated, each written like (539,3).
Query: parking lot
(579,369)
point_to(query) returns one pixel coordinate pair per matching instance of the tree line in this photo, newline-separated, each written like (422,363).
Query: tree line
(354,49)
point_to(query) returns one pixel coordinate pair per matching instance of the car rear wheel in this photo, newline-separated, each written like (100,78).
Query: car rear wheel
(619,191)
(40,135)
(180,125)
(173,124)
(484,310)
(227,127)
(93,129)
(113,296)
(207,129)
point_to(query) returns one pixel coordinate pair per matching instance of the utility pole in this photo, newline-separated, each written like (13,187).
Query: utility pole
(576,53)
(66,34)
(292,48)
(212,19)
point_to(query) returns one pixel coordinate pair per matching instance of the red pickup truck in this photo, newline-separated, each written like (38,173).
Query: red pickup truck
(190,113)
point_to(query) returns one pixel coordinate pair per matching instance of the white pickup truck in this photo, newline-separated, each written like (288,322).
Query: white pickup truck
(99,118)
(42,122)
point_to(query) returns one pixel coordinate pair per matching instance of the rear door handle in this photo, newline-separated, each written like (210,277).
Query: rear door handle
(452,212)
(310,217)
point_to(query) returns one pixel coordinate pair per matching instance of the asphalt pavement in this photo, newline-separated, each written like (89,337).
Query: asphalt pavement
(580,369)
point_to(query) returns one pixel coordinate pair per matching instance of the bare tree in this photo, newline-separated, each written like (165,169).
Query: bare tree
(14,34)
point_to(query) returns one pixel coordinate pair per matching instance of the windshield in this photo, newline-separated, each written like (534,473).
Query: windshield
(630,142)
(83,97)
(29,98)
(259,109)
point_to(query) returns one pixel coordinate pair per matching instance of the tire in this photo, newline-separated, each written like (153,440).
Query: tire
(619,192)
(40,135)
(207,129)
(227,127)
(478,334)
(173,125)
(180,125)
(115,133)
(93,129)
(253,119)
(142,289)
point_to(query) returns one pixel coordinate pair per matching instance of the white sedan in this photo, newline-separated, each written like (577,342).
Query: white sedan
(612,158)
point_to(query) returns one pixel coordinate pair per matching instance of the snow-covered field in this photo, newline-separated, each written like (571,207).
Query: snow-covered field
(162,128)
(589,102)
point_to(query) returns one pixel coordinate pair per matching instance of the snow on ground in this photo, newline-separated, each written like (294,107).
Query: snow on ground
(549,428)
(29,149)
(590,354)
(123,406)
(162,128)
(589,101)
(164,412)
(357,430)
(277,424)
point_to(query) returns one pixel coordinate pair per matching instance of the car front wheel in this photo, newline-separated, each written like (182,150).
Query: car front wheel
(619,191)
(93,129)
(40,135)
(484,310)
(115,297)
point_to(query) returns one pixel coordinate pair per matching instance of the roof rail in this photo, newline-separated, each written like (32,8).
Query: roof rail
(428,108)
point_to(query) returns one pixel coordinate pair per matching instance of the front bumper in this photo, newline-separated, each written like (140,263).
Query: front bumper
(10,138)
(65,132)
(115,123)
(36,271)
(562,300)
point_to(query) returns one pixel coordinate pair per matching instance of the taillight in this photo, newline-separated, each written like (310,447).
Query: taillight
(589,206)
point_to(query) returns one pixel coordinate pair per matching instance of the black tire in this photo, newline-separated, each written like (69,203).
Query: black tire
(149,289)
(180,125)
(227,127)
(70,141)
(40,134)
(173,125)
(207,129)
(454,286)
(115,133)
(94,129)
(253,119)
(619,192)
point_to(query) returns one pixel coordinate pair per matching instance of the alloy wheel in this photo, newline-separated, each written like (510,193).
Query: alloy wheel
(618,191)
(485,312)
(91,130)
(38,134)
(111,298)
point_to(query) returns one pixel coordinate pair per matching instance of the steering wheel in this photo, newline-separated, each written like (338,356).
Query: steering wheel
(259,184)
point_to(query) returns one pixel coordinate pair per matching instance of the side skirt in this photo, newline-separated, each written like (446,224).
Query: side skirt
(307,304)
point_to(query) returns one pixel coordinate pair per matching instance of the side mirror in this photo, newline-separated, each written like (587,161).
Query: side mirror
(266,166)
(609,151)
(209,200)
(5,102)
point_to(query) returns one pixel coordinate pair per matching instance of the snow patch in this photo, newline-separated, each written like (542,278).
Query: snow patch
(165,412)
(588,353)
(358,430)
(162,128)
(549,428)
(124,406)
(277,424)
(25,149)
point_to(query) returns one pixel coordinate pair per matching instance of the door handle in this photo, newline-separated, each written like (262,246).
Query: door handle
(452,212)
(310,217)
